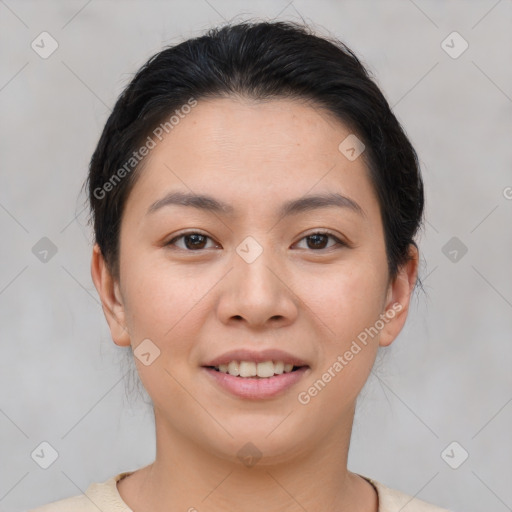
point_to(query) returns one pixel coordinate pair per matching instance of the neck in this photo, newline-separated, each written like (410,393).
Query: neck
(184,476)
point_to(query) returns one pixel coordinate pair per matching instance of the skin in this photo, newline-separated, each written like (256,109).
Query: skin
(196,304)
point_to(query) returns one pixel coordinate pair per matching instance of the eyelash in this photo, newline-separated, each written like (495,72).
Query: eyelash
(319,232)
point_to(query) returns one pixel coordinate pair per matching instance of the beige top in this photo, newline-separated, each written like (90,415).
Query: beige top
(105,497)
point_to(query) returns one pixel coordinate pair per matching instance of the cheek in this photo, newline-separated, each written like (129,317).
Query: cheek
(168,304)
(158,296)
(346,306)
(347,303)
(346,300)
(163,306)
(156,306)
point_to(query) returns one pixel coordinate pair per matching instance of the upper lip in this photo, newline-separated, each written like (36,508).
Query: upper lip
(256,356)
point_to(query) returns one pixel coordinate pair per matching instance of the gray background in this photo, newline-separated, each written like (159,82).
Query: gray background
(446,378)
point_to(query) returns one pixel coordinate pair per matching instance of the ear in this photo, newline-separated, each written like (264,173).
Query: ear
(398,298)
(111,299)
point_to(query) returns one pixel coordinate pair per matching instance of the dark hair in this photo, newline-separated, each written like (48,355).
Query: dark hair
(259,60)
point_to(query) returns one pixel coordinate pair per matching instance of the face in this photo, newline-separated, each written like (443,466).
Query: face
(259,265)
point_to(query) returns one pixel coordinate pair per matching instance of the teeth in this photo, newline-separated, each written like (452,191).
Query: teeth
(247,369)
(265,369)
(233,368)
(252,369)
(279,367)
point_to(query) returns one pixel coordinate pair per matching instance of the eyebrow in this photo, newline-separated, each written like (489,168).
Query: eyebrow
(291,207)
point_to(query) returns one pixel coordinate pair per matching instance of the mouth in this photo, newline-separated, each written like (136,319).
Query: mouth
(255,382)
(252,370)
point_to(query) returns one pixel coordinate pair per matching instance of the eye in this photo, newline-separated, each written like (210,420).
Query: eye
(192,240)
(318,240)
(196,241)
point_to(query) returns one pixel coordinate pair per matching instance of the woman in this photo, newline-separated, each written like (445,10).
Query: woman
(255,204)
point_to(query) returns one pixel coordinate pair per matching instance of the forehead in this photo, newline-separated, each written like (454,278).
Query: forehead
(248,151)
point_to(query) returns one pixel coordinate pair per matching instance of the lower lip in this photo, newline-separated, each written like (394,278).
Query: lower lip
(247,387)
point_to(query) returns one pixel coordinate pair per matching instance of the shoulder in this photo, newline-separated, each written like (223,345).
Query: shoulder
(98,496)
(392,500)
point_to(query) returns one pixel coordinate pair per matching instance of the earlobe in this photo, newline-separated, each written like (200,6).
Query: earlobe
(399,297)
(111,298)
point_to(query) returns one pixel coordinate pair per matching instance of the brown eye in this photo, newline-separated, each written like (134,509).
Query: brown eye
(195,241)
(192,241)
(319,241)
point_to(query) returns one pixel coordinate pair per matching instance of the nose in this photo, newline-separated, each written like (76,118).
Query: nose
(259,293)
